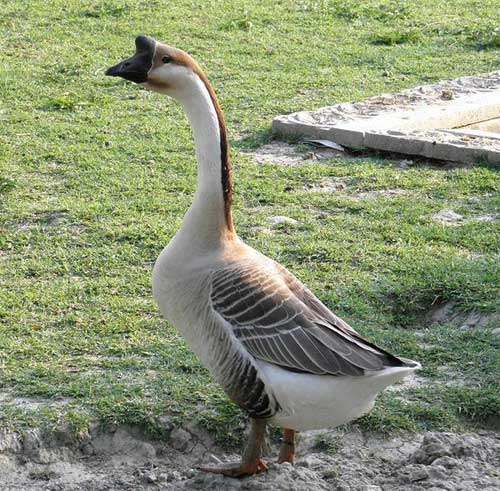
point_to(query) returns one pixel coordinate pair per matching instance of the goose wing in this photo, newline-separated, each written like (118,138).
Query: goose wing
(278,320)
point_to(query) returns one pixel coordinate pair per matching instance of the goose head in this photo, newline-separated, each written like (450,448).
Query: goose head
(172,72)
(159,67)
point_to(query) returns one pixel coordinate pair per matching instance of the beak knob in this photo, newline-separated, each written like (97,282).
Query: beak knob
(144,44)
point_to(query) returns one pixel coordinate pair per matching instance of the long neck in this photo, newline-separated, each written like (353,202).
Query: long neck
(209,219)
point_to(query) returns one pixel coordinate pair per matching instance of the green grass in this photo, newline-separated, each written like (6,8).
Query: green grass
(95,175)
(391,37)
(326,442)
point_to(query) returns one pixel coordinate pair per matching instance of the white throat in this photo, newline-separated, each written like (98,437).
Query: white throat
(204,224)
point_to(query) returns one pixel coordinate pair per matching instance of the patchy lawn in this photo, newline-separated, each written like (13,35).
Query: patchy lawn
(95,175)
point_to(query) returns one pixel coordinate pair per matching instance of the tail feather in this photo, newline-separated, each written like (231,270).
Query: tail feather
(390,375)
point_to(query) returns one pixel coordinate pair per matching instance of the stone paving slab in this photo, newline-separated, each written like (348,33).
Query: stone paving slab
(415,121)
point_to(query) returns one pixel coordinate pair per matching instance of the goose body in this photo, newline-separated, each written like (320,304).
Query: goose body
(277,351)
(289,398)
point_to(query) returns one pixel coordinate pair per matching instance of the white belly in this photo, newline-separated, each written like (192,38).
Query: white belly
(323,401)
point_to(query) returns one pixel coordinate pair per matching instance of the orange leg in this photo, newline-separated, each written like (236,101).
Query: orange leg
(287,449)
(251,462)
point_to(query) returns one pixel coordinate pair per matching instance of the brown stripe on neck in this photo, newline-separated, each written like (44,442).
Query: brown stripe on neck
(226,176)
(182,58)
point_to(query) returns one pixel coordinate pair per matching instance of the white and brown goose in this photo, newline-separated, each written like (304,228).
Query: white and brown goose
(278,352)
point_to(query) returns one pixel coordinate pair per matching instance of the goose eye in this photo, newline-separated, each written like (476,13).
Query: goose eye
(166,59)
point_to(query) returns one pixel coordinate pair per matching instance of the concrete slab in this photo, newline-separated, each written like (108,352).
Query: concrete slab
(412,121)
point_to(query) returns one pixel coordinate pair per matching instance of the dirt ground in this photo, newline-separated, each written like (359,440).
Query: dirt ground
(122,459)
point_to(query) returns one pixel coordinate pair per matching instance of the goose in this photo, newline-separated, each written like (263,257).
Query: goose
(278,352)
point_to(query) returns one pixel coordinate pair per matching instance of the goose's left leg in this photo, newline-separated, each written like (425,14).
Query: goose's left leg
(251,462)
(287,449)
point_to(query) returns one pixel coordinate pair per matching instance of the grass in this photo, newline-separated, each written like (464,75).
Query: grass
(326,442)
(95,176)
(394,36)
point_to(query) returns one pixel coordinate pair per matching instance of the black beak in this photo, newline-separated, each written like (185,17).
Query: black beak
(136,68)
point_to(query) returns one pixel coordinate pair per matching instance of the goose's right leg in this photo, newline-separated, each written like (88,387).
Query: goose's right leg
(251,462)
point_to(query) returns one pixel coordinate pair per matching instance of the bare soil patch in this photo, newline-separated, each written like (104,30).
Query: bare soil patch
(448,312)
(124,459)
(282,153)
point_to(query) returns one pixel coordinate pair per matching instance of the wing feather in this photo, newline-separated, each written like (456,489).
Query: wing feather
(280,321)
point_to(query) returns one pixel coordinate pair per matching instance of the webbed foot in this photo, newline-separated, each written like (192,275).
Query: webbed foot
(236,469)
